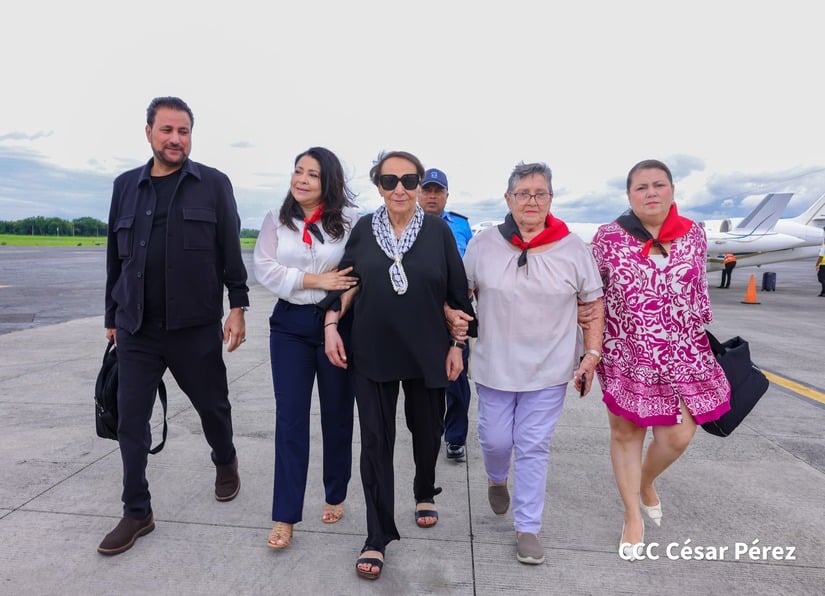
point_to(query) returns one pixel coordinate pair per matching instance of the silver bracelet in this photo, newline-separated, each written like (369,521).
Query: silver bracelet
(595,353)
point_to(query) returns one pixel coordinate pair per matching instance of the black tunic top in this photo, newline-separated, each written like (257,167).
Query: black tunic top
(405,337)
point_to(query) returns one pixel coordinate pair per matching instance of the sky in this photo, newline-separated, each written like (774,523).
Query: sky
(727,93)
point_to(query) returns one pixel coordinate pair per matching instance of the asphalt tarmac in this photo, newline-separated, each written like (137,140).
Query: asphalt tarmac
(742,515)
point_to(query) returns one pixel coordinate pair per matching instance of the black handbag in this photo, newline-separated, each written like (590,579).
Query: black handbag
(747,383)
(106,414)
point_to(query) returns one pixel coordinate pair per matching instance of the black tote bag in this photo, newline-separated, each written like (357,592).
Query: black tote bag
(747,383)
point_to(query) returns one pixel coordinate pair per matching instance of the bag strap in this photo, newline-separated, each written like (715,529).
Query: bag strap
(163,402)
(108,349)
(714,343)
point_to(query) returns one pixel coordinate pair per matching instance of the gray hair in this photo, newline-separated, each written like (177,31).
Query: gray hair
(522,170)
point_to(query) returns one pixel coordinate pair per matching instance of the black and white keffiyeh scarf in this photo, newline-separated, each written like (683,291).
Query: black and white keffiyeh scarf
(395,249)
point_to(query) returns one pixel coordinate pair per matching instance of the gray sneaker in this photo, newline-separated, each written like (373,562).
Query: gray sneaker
(529,549)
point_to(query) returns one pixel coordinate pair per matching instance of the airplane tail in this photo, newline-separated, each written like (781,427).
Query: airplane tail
(764,217)
(813,215)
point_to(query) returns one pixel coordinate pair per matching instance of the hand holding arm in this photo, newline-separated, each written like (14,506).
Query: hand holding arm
(458,322)
(331,280)
(587,313)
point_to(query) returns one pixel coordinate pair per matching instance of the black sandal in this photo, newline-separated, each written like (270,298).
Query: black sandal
(372,561)
(422,513)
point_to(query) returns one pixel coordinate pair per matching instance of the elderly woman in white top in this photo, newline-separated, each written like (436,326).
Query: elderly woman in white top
(528,275)
(296,258)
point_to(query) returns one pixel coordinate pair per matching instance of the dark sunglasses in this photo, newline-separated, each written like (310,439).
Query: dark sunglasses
(390,181)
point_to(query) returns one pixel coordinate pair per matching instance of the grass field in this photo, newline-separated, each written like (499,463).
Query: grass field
(18,240)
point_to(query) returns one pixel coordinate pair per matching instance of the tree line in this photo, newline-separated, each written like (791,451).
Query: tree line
(82,226)
(54,226)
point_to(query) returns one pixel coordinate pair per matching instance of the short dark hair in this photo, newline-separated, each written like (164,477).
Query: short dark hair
(174,103)
(649,164)
(522,170)
(375,170)
(335,193)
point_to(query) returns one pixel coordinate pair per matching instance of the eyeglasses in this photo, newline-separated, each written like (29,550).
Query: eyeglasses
(390,181)
(523,197)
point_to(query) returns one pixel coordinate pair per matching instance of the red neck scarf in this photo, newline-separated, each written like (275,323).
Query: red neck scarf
(675,226)
(554,229)
(309,226)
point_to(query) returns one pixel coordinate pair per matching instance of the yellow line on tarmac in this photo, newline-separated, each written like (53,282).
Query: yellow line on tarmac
(796,387)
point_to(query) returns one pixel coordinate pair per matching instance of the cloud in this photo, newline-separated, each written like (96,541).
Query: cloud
(21,136)
(31,186)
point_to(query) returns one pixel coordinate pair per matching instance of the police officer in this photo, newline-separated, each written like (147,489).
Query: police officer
(433,200)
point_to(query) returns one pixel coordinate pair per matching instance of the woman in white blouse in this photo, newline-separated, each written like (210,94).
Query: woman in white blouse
(296,258)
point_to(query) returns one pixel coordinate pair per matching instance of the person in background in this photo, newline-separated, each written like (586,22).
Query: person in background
(434,194)
(528,275)
(820,268)
(296,258)
(730,263)
(173,245)
(409,269)
(658,369)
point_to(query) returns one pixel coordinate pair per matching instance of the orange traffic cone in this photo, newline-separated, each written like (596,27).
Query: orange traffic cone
(750,294)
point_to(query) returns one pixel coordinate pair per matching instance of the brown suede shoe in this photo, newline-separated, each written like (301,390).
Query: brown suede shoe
(124,535)
(227,481)
(499,498)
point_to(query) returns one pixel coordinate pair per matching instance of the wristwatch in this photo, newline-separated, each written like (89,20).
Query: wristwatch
(595,353)
(454,343)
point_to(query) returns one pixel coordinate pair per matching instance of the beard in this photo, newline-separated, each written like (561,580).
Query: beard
(167,161)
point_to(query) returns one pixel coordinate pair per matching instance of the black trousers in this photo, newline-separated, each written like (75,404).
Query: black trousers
(194,356)
(820,275)
(726,275)
(424,411)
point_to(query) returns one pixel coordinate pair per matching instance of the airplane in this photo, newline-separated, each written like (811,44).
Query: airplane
(759,238)
(787,239)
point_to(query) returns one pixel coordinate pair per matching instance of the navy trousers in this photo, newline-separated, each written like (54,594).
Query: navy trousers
(296,348)
(424,411)
(458,404)
(194,356)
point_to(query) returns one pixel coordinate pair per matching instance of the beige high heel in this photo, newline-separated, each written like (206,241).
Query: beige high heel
(281,532)
(654,512)
(332,513)
(631,551)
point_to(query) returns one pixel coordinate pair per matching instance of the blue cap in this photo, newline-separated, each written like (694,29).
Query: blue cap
(433,176)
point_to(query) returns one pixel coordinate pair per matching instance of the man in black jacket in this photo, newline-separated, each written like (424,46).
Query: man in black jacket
(173,245)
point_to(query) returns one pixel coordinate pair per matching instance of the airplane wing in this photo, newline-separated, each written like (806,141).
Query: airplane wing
(764,217)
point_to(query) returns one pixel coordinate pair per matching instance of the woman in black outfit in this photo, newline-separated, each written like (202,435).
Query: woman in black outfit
(409,268)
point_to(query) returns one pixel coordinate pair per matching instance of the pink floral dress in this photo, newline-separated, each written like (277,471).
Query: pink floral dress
(655,349)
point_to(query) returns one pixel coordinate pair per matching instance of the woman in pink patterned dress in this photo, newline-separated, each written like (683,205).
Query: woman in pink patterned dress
(658,369)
